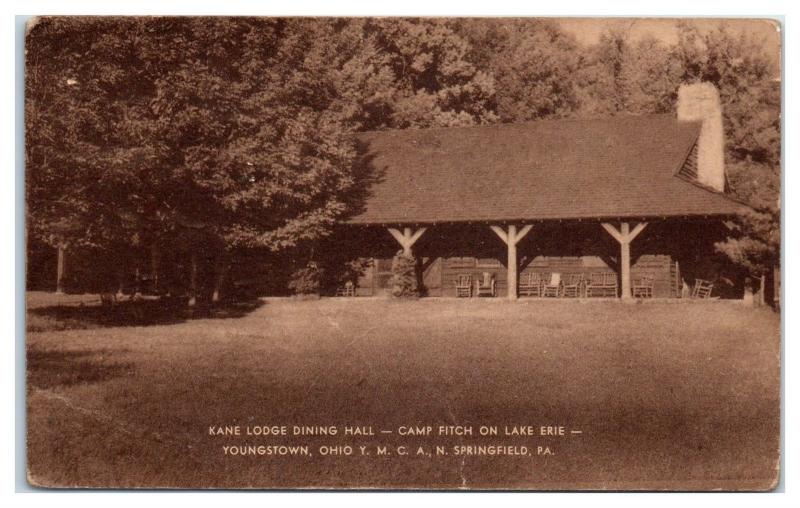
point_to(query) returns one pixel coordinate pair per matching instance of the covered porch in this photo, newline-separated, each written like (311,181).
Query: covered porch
(622,258)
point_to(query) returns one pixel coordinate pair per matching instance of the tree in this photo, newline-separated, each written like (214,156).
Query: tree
(605,77)
(409,73)
(404,276)
(750,97)
(628,77)
(640,77)
(533,62)
(194,132)
(206,135)
(79,192)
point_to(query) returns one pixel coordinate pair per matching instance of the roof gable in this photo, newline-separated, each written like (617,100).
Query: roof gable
(689,167)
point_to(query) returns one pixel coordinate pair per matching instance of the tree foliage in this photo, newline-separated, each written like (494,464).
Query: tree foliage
(226,133)
(404,276)
(410,73)
(622,76)
(625,76)
(158,126)
(750,97)
(532,61)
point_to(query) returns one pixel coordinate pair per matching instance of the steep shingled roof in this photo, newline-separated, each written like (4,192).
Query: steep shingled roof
(625,166)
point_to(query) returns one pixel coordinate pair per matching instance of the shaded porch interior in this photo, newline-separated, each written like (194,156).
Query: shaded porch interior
(672,252)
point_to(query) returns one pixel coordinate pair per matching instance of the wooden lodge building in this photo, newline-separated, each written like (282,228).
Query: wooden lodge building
(628,196)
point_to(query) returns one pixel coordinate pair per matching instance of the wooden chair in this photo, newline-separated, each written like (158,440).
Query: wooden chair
(602,284)
(464,286)
(349,289)
(532,284)
(643,286)
(702,289)
(486,286)
(108,300)
(544,278)
(573,285)
(553,287)
(526,285)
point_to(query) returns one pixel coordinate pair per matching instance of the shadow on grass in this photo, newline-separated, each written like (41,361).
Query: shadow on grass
(132,313)
(48,369)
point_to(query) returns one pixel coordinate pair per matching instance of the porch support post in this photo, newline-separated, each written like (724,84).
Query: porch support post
(624,235)
(625,261)
(511,238)
(407,238)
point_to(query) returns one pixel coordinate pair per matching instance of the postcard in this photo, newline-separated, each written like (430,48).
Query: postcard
(403,253)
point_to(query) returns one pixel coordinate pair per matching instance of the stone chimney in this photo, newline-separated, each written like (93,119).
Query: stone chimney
(700,102)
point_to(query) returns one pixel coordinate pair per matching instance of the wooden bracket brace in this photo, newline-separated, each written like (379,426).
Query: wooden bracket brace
(512,233)
(407,238)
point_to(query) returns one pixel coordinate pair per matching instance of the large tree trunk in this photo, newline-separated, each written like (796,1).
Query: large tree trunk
(120,282)
(155,261)
(193,280)
(60,273)
(222,268)
(137,290)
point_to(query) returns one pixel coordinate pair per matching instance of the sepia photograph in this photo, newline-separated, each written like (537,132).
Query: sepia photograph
(403,253)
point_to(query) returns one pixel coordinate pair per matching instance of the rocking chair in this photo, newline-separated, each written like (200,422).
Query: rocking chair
(602,284)
(702,289)
(643,287)
(573,285)
(532,284)
(485,287)
(349,289)
(464,286)
(553,288)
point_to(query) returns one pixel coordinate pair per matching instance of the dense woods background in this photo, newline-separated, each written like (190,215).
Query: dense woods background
(192,142)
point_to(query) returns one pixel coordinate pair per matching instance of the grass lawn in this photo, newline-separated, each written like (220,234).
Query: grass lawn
(664,395)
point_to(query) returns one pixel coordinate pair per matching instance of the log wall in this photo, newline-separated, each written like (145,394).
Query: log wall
(440,275)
